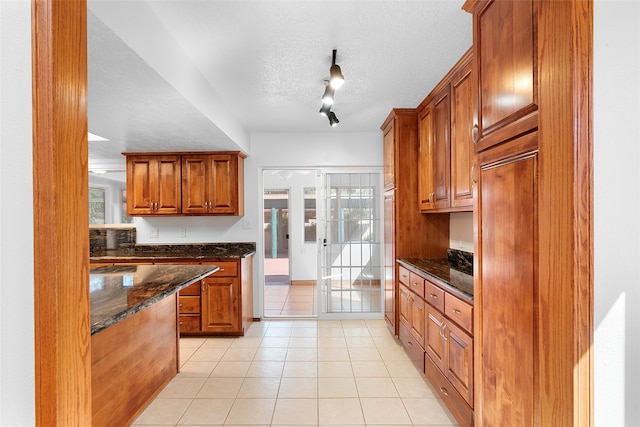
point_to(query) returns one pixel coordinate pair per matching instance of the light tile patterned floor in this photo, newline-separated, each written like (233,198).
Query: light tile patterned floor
(287,300)
(298,373)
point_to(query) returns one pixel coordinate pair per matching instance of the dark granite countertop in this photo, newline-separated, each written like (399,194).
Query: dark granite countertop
(185,252)
(118,292)
(441,272)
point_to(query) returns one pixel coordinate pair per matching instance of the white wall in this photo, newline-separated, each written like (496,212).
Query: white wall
(617,212)
(17,389)
(461,231)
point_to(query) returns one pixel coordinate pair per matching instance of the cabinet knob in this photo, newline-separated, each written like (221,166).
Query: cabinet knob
(475,134)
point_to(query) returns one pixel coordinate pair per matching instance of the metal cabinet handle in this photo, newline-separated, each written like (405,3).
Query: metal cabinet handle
(444,391)
(433,296)
(442,328)
(455,311)
(474,177)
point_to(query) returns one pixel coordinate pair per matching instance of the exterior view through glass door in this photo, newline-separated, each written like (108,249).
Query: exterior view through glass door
(350,255)
(290,253)
(276,237)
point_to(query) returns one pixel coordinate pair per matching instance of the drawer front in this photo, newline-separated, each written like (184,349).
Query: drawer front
(227,269)
(456,404)
(189,304)
(459,311)
(434,295)
(403,275)
(416,353)
(191,289)
(189,323)
(416,284)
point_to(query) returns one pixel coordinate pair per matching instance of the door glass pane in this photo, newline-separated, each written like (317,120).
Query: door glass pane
(351,259)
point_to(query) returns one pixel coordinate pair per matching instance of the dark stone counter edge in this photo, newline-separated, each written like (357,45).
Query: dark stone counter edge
(112,320)
(150,257)
(438,281)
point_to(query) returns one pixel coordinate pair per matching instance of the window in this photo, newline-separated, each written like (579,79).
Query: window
(96,205)
(310,214)
(123,208)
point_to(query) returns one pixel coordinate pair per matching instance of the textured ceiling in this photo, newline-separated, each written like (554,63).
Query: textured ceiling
(205,75)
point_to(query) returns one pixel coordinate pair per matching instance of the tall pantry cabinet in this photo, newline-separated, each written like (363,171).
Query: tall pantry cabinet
(532,213)
(407,232)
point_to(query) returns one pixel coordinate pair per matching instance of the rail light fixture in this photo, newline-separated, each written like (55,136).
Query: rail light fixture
(336,80)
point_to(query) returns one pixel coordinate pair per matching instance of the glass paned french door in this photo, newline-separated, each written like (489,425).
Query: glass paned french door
(350,255)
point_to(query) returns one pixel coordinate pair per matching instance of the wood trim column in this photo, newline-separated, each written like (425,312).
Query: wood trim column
(60,200)
(565,213)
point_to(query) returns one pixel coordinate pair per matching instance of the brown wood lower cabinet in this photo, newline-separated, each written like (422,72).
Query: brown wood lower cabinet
(221,303)
(436,330)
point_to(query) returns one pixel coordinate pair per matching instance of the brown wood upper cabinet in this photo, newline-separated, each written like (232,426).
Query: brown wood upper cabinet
(506,71)
(446,144)
(153,185)
(211,184)
(194,183)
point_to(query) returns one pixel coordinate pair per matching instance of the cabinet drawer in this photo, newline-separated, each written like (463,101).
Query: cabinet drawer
(459,311)
(189,323)
(434,295)
(416,284)
(403,275)
(415,351)
(227,269)
(456,404)
(189,304)
(191,289)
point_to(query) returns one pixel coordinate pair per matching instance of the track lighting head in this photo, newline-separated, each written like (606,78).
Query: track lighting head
(337,79)
(325,109)
(333,120)
(327,98)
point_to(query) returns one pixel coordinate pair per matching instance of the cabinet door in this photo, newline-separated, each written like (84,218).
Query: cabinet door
(504,52)
(223,182)
(417,319)
(507,284)
(141,185)
(169,173)
(459,360)
(153,185)
(434,339)
(404,306)
(221,304)
(441,149)
(389,156)
(425,183)
(389,262)
(461,139)
(194,184)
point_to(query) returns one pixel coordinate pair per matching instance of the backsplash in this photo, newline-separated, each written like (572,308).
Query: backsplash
(461,260)
(102,238)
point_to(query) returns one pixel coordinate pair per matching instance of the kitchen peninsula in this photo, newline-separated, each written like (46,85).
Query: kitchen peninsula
(134,335)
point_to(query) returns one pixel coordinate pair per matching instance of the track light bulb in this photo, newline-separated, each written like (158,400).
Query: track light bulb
(337,79)
(327,98)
